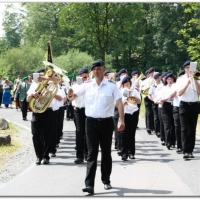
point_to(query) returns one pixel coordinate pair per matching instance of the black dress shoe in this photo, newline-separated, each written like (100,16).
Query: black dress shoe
(119,153)
(179,150)
(25,119)
(163,143)
(191,155)
(107,186)
(38,161)
(88,189)
(131,156)
(45,161)
(53,155)
(124,157)
(168,146)
(186,155)
(149,131)
(158,135)
(78,161)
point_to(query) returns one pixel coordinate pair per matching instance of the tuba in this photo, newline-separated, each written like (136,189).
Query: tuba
(46,89)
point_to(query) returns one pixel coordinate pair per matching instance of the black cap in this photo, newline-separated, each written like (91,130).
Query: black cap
(156,75)
(122,71)
(126,79)
(146,72)
(186,63)
(41,70)
(83,70)
(134,72)
(164,74)
(97,63)
(151,69)
(169,75)
(106,72)
(181,73)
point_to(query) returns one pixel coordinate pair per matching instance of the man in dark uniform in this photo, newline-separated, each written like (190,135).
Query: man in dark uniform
(1,89)
(101,95)
(22,91)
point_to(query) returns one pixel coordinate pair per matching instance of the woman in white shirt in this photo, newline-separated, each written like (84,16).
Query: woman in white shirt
(131,116)
(167,111)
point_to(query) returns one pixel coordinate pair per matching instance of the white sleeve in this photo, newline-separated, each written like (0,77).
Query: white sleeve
(117,93)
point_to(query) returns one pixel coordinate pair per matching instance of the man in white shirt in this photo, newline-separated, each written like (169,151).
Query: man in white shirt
(152,96)
(100,96)
(80,117)
(41,123)
(188,90)
(146,84)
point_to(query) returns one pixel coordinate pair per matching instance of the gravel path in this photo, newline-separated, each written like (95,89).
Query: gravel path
(21,159)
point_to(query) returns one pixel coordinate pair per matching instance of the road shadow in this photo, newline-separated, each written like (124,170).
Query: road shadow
(124,191)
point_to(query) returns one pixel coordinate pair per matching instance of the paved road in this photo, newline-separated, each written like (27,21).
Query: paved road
(156,171)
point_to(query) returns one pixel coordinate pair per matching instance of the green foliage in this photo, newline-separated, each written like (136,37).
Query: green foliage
(24,61)
(73,61)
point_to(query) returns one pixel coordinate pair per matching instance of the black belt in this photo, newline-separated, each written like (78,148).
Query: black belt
(189,103)
(80,108)
(50,108)
(99,119)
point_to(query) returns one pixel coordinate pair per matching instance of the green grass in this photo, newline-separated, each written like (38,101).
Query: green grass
(8,150)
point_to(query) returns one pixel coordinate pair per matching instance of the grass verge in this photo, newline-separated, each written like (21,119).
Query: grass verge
(8,150)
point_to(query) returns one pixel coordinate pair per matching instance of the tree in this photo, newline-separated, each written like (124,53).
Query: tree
(98,23)
(12,26)
(41,25)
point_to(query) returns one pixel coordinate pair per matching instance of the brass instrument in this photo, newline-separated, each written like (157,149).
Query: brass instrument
(140,77)
(46,89)
(196,75)
(132,100)
(145,90)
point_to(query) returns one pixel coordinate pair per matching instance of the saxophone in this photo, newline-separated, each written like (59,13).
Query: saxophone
(46,89)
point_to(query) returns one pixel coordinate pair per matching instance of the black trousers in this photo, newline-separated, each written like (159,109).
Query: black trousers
(188,118)
(156,118)
(70,111)
(177,126)
(61,113)
(99,133)
(168,121)
(41,128)
(81,145)
(162,131)
(128,137)
(1,94)
(116,118)
(149,113)
(53,138)
(24,108)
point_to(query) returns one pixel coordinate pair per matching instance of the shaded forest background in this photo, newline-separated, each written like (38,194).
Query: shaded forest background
(135,36)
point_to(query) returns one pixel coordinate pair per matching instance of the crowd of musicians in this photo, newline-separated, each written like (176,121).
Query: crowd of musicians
(171,112)
(106,104)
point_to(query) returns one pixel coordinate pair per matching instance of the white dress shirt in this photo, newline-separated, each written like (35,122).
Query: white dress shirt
(177,99)
(190,95)
(154,89)
(79,102)
(165,92)
(131,108)
(99,99)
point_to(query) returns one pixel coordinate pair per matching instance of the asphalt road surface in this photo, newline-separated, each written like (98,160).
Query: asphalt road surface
(156,171)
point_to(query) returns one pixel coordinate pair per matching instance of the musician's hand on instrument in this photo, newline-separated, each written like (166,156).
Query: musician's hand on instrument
(36,95)
(125,102)
(41,78)
(70,92)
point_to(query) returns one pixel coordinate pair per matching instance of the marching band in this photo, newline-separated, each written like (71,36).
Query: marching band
(105,103)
